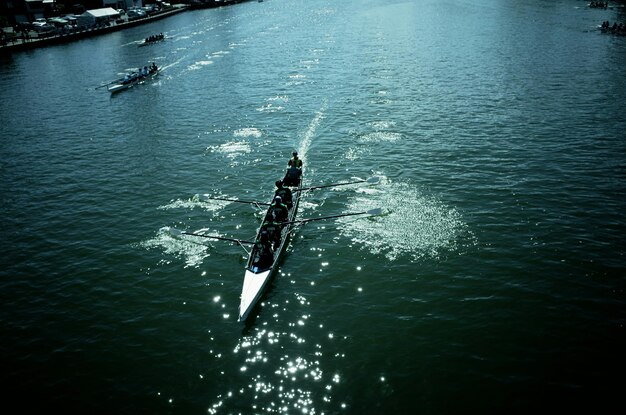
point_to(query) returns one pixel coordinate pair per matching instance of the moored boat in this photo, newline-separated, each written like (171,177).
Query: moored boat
(261,266)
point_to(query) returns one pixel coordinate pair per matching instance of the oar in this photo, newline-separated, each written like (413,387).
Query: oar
(371,180)
(112,82)
(177,232)
(373,212)
(251,202)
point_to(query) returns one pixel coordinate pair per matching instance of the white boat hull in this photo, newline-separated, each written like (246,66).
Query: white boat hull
(253,288)
(255,280)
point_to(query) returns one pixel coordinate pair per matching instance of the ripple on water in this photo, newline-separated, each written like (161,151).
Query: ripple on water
(380,136)
(270,108)
(192,252)
(199,64)
(248,132)
(381,125)
(283,98)
(412,224)
(220,53)
(231,149)
(198,201)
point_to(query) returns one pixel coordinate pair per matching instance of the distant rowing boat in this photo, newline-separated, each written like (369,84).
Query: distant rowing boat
(257,276)
(133,79)
(614,29)
(152,40)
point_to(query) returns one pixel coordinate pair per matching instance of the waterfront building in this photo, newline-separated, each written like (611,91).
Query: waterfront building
(97,17)
(122,4)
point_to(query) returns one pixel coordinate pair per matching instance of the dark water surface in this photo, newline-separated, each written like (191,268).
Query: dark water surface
(493,283)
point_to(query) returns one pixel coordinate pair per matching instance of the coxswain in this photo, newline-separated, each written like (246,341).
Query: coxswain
(295,161)
(294,171)
(284,193)
(278,210)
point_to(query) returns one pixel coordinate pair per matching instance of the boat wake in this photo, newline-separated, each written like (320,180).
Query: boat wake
(413,224)
(307,138)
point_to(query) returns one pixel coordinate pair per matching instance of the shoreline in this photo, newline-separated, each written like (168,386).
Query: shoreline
(22,44)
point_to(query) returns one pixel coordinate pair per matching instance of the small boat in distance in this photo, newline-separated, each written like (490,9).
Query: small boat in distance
(152,39)
(599,5)
(615,29)
(134,77)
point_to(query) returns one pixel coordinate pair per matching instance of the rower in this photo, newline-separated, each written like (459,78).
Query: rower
(273,230)
(263,256)
(264,239)
(284,193)
(278,211)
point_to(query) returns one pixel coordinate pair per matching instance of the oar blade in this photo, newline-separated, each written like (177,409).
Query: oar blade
(373,180)
(174,231)
(374,212)
(206,198)
(177,233)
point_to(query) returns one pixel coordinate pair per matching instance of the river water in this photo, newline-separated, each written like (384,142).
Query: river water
(492,283)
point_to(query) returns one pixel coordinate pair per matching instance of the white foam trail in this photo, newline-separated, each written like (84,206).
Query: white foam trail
(310,132)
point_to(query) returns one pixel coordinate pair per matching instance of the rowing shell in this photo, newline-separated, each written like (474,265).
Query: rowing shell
(122,86)
(256,280)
